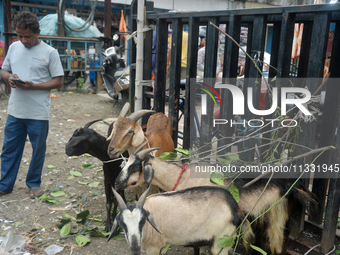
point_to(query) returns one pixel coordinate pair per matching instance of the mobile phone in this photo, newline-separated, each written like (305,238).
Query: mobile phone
(17,80)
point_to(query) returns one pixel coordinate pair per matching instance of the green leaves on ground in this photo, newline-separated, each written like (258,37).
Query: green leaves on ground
(58,193)
(88,166)
(19,223)
(75,173)
(82,219)
(82,240)
(83,183)
(94,184)
(96,193)
(65,230)
(67,216)
(119,238)
(46,198)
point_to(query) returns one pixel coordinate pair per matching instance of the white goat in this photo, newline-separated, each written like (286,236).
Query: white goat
(142,167)
(197,216)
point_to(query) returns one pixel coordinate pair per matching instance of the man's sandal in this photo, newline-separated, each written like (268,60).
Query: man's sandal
(35,190)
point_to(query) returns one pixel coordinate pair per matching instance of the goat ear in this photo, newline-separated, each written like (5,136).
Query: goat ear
(148,173)
(113,229)
(153,223)
(138,137)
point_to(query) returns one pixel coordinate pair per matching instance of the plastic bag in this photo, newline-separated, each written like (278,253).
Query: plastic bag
(12,244)
(53,249)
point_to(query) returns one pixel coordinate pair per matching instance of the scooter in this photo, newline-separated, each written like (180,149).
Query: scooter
(116,76)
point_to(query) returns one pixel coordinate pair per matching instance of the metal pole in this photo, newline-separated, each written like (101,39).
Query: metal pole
(61,28)
(140,57)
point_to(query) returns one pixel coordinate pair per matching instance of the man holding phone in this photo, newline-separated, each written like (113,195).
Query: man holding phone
(38,66)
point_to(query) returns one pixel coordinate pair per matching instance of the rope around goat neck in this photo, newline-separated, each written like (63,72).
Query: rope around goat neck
(180,176)
(112,160)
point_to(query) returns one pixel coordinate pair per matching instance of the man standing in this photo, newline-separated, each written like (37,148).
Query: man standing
(38,66)
(184,57)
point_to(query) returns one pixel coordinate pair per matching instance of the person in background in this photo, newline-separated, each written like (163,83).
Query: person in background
(2,52)
(201,60)
(184,57)
(39,66)
(154,37)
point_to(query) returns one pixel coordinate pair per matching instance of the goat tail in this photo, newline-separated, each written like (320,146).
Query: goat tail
(248,234)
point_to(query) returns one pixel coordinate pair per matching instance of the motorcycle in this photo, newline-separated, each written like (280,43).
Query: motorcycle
(116,76)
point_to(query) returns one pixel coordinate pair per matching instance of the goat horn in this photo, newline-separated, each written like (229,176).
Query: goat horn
(145,152)
(110,136)
(113,229)
(120,200)
(141,147)
(125,109)
(142,198)
(137,115)
(87,125)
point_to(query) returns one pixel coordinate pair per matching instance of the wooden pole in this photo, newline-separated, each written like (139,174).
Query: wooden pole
(7,23)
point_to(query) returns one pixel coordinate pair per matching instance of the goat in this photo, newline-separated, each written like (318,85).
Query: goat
(86,140)
(128,135)
(142,167)
(196,216)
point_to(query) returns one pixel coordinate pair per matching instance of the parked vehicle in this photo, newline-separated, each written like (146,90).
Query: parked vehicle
(116,76)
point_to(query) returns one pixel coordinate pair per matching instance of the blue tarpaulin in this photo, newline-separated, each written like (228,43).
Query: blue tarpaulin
(49,26)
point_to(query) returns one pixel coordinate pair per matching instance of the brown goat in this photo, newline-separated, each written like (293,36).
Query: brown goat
(128,135)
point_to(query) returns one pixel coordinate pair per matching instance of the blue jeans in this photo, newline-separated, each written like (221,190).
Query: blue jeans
(16,131)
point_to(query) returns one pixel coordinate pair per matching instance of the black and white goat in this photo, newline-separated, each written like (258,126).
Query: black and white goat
(196,216)
(86,140)
(269,228)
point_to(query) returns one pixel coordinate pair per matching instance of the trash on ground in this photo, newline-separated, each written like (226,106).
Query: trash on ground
(53,249)
(11,243)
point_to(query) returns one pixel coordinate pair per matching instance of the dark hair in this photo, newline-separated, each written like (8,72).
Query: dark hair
(25,20)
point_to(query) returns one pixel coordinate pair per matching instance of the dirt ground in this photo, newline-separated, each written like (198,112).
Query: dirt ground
(36,220)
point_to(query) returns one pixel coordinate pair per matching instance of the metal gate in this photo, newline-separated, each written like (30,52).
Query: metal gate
(316,20)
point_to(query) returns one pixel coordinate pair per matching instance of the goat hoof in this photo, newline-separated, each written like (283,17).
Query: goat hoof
(108,227)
